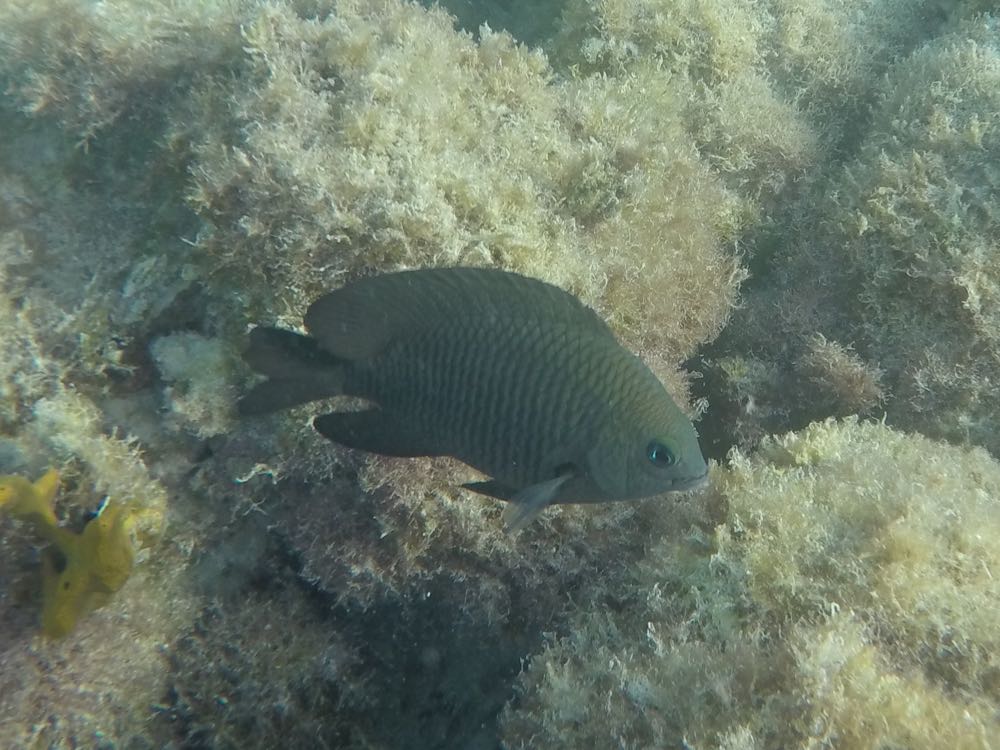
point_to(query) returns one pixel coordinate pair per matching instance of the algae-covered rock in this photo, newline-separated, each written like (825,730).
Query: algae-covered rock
(917,224)
(376,136)
(93,64)
(845,596)
(773,87)
(200,373)
(174,171)
(891,257)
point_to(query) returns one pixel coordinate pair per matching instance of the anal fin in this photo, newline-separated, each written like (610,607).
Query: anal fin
(276,394)
(491,488)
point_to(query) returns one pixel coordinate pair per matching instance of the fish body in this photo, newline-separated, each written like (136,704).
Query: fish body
(513,376)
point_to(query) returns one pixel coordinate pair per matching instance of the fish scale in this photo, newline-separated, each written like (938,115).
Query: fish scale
(513,376)
(471,411)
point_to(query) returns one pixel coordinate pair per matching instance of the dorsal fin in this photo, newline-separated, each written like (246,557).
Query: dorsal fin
(357,321)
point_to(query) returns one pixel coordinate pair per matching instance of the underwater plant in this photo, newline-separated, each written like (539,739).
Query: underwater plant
(174,169)
(839,591)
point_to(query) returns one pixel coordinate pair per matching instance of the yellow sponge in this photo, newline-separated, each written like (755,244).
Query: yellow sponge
(80,571)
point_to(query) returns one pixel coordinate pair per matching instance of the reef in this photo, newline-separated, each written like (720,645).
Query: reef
(840,591)
(773,191)
(898,266)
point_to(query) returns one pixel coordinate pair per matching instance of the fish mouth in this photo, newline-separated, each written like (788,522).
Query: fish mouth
(686,484)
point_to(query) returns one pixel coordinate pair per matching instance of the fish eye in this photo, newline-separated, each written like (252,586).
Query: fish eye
(660,455)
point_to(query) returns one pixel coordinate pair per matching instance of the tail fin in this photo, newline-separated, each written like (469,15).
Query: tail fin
(298,371)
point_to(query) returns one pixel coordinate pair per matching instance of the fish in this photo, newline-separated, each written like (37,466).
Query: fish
(513,376)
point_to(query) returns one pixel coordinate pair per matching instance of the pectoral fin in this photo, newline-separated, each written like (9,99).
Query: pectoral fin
(526,504)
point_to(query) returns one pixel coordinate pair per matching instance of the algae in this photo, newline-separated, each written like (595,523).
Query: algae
(842,592)
(811,178)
